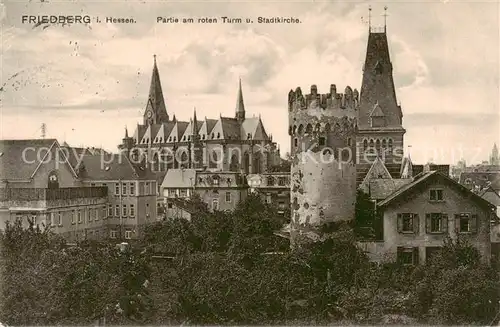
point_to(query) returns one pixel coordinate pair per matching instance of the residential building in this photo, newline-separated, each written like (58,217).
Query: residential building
(273,187)
(219,190)
(39,184)
(418,216)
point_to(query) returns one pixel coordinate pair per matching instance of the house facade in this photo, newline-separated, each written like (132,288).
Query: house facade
(40,184)
(420,215)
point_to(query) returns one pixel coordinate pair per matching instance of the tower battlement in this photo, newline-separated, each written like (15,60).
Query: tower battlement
(347,101)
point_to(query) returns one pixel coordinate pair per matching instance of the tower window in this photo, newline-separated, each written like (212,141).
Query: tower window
(295,142)
(218,135)
(322,141)
(365,144)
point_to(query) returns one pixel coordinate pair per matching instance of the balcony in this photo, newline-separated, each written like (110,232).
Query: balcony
(45,198)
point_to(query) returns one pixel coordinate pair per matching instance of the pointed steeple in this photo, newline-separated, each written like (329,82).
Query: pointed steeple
(240,106)
(378,83)
(195,124)
(494,159)
(156,111)
(126,132)
(174,119)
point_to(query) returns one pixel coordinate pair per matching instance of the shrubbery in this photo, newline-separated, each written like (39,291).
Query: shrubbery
(230,268)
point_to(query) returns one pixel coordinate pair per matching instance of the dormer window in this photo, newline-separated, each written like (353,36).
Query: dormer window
(249,136)
(218,135)
(189,138)
(175,138)
(203,137)
(170,138)
(213,135)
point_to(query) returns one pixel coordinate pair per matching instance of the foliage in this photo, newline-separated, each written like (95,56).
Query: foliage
(230,268)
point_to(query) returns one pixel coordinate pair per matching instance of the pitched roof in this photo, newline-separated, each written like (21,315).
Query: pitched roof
(179,178)
(378,170)
(490,195)
(113,167)
(20,159)
(420,179)
(230,128)
(139,133)
(380,189)
(481,179)
(207,127)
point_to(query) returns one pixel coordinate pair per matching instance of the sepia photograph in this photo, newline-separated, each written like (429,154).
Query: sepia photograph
(288,163)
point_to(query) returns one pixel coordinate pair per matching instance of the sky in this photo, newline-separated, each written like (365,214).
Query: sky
(87,82)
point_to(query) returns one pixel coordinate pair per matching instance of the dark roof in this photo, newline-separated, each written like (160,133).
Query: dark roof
(490,195)
(113,167)
(380,189)
(230,128)
(420,179)
(18,164)
(481,179)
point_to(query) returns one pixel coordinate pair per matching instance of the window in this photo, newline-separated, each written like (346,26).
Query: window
(113,233)
(215,204)
(169,205)
(407,223)
(322,141)
(52,219)
(216,180)
(147,209)
(128,234)
(132,210)
(152,190)
(92,184)
(172,192)
(146,188)
(124,211)
(73,217)
(295,142)
(110,210)
(228,196)
(270,181)
(268,198)
(117,210)
(183,193)
(436,223)
(59,220)
(466,223)
(117,189)
(79,217)
(281,181)
(124,188)
(103,213)
(436,195)
(407,256)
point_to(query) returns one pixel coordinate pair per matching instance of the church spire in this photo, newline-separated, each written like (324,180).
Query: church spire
(195,124)
(126,132)
(240,106)
(156,111)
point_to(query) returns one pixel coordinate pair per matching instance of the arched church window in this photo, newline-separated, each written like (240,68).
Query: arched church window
(377,144)
(309,128)
(365,144)
(390,145)
(372,143)
(218,135)
(213,160)
(384,143)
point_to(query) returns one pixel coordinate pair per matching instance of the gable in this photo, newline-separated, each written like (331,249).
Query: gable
(55,162)
(206,128)
(377,171)
(217,132)
(260,133)
(425,181)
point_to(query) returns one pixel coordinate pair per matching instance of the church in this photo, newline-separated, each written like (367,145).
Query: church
(233,144)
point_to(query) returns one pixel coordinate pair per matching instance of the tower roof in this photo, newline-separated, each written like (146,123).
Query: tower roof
(155,98)
(378,84)
(240,106)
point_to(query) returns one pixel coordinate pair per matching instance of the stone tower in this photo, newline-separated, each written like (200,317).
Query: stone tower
(322,128)
(494,158)
(380,118)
